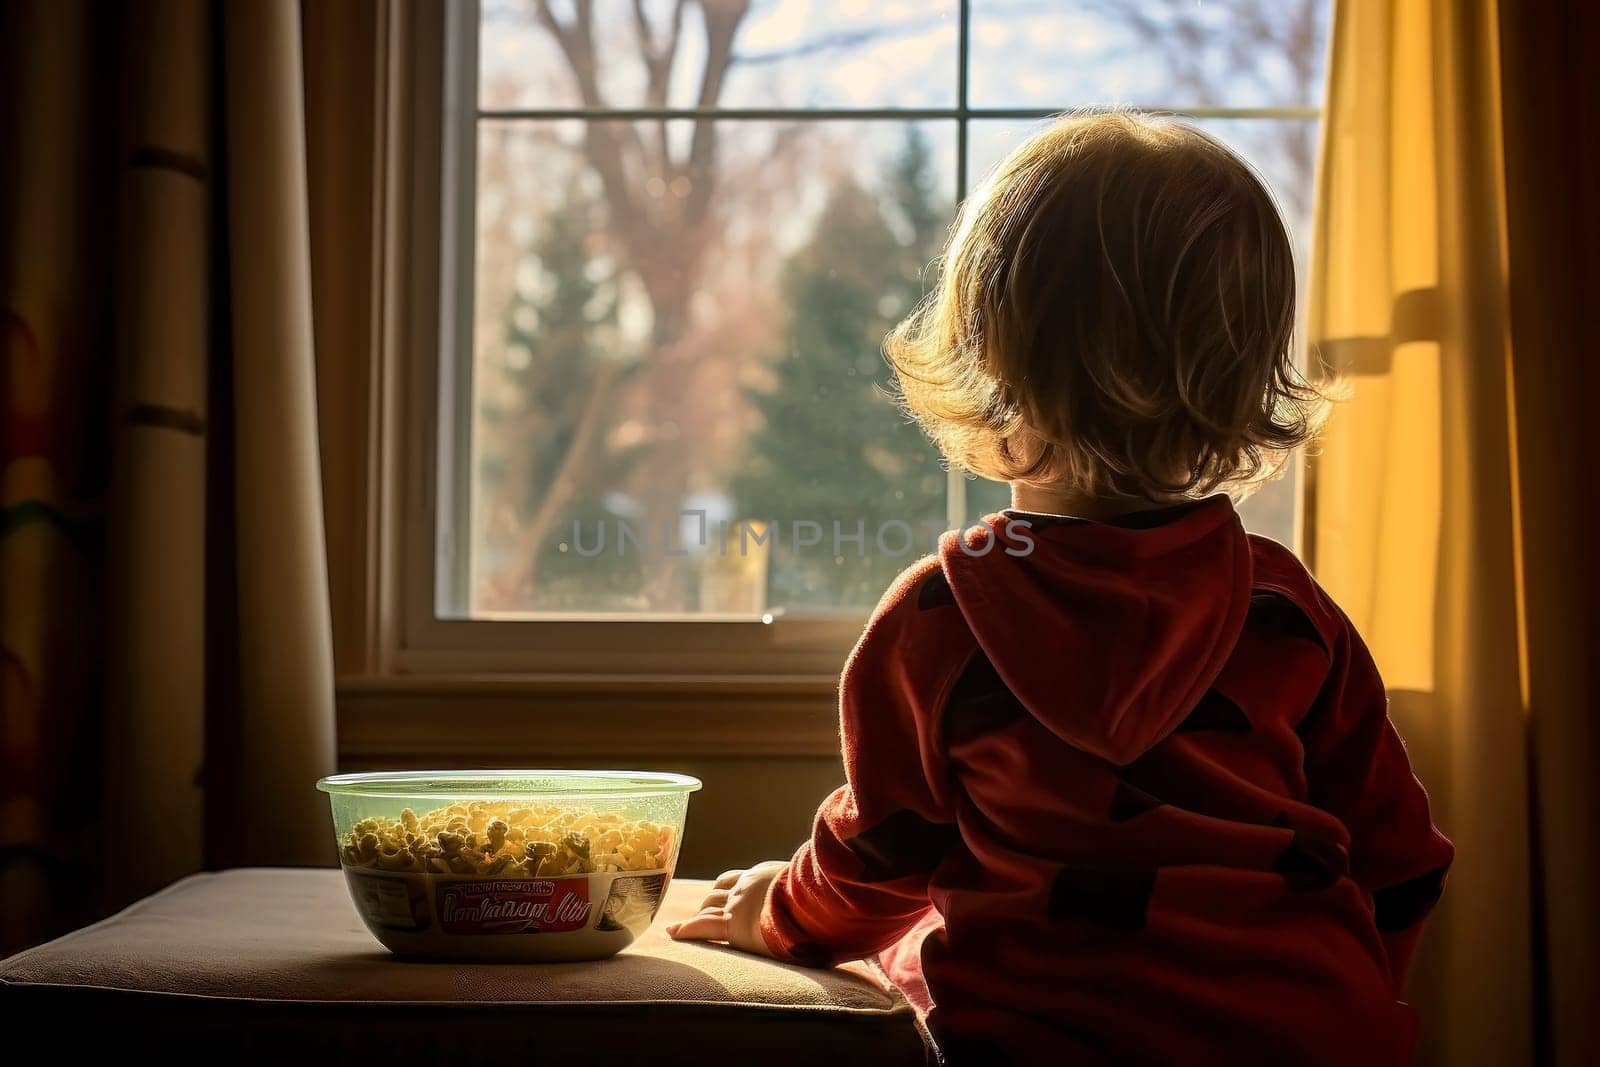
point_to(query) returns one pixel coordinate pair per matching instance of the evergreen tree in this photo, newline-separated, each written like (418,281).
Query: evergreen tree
(561,345)
(832,445)
(922,214)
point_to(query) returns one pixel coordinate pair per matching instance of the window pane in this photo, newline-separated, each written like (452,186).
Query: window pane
(1153,53)
(1283,151)
(985,497)
(684,317)
(777,53)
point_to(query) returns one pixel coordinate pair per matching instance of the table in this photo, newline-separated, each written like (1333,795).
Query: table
(275,960)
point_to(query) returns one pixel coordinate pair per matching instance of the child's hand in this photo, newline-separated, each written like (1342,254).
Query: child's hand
(732,911)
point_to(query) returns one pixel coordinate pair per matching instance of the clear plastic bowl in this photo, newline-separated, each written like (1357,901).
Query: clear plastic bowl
(508,865)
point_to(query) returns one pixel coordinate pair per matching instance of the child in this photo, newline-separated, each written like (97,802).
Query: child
(1122,786)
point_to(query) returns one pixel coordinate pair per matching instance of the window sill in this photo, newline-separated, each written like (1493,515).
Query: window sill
(504,720)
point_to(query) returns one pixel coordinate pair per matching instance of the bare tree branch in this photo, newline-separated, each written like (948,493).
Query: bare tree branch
(568,477)
(577,46)
(659,59)
(722,19)
(1193,47)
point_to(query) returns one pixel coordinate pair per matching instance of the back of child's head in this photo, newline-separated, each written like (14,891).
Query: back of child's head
(1114,314)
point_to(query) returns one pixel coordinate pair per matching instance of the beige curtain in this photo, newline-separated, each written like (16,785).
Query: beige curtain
(284,719)
(155,698)
(213,698)
(266,733)
(1419,492)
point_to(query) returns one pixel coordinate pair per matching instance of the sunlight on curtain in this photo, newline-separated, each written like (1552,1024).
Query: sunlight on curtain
(1412,506)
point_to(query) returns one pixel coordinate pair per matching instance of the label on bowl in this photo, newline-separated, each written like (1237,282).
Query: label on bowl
(513,906)
(632,903)
(393,903)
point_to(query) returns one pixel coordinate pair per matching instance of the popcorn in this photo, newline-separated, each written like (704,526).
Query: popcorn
(494,839)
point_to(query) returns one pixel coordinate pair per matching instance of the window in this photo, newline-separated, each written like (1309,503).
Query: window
(679,231)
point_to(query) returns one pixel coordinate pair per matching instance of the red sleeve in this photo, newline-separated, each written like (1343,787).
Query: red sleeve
(861,881)
(1357,769)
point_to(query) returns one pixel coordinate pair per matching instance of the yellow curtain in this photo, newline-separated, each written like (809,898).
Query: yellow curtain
(1413,503)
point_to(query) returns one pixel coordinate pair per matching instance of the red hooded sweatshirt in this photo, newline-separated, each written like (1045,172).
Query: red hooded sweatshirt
(1121,793)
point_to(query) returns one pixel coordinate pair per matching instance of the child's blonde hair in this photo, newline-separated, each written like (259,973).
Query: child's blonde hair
(1114,313)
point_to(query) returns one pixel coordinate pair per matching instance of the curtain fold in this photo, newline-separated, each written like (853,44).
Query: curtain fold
(156,691)
(1412,505)
(284,719)
(166,137)
(1424,496)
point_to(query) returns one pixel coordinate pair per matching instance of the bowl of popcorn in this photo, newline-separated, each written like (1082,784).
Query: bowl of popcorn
(515,866)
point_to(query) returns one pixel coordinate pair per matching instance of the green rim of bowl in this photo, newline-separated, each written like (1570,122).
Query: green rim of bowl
(513,783)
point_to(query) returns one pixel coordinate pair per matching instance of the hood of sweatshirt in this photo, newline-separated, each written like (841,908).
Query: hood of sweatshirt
(1108,632)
